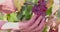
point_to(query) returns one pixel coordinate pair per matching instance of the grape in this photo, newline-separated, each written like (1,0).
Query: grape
(40,8)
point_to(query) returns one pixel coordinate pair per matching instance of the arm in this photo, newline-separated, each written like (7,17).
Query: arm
(10,25)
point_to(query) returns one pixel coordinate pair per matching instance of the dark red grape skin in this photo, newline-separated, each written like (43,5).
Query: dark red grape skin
(40,8)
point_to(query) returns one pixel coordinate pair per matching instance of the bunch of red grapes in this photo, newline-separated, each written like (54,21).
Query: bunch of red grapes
(40,8)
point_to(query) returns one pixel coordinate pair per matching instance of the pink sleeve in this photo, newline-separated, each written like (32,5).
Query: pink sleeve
(8,6)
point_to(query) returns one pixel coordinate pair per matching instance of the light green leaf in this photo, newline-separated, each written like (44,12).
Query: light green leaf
(49,11)
(12,17)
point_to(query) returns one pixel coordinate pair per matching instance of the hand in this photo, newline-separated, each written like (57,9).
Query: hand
(35,24)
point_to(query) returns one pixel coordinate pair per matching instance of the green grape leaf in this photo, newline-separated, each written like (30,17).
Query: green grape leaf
(49,11)
(28,12)
(20,15)
(12,17)
(25,13)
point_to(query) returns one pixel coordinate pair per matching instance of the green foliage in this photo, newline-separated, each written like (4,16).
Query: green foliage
(26,12)
(49,11)
(12,17)
(1,16)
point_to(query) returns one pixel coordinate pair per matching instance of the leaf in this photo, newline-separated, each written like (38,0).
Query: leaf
(28,12)
(25,13)
(5,17)
(49,11)
(12,17)
(1,16)
(20,15)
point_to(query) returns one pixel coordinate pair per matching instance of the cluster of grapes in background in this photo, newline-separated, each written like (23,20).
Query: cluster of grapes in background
(40,8)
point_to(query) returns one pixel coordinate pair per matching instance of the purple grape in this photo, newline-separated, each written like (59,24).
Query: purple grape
(40,8)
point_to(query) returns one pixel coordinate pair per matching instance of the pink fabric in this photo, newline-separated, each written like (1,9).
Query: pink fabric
(7,6)
(2,23)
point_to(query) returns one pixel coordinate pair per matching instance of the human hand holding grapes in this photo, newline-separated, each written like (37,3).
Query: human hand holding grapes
(35,24)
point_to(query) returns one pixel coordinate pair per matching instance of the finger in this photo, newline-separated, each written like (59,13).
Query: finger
(30,22)
(42,29)
(22,25)
(33,18)
(35,24)
(40,26)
